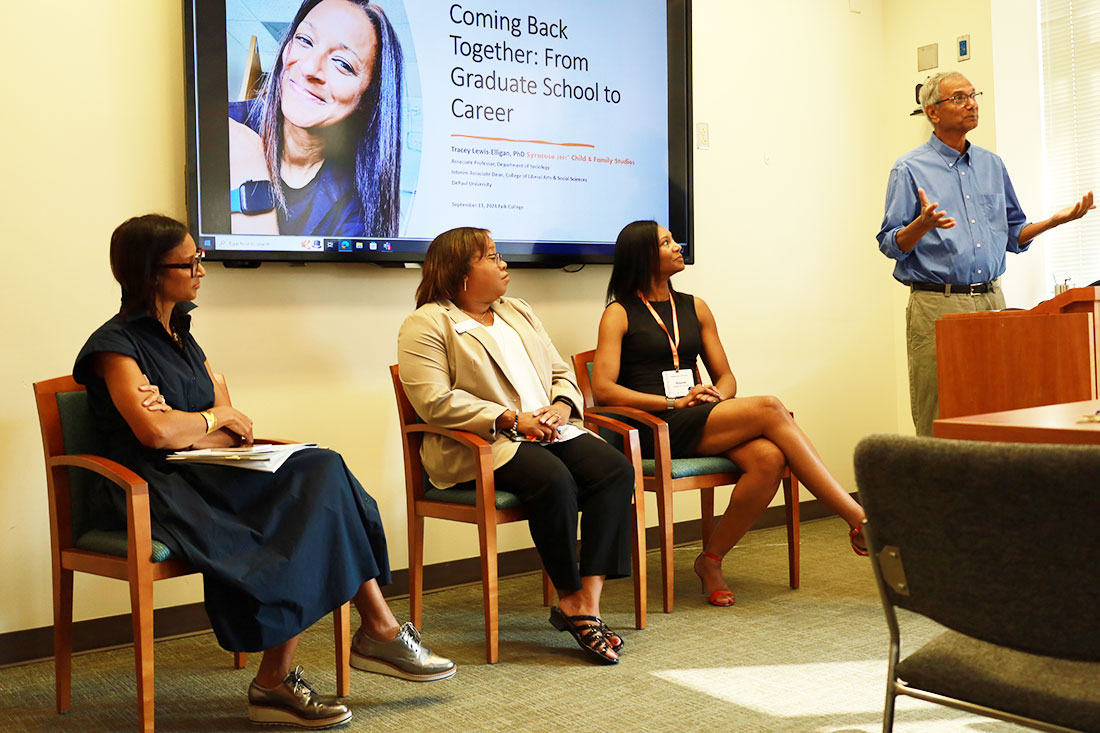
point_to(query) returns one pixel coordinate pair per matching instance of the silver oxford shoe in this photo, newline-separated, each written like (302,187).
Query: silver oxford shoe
(403,656)
(295,702)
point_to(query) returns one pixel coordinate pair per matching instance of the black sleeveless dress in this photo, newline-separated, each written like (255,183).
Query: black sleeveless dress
(646,353)
(277,551)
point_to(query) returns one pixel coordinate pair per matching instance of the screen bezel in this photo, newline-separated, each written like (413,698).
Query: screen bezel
(518,252)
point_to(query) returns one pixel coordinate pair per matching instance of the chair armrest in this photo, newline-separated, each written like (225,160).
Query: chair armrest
(468,439)
(114,472)
(631,446)
(646,418)
(662,449)
(485,487)
(139,535)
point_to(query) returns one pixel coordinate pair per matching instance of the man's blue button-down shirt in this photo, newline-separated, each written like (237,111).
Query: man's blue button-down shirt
(971,187)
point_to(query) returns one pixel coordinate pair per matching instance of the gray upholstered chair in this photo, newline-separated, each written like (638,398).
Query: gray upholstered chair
(665,475)
(998,543)
(76,475)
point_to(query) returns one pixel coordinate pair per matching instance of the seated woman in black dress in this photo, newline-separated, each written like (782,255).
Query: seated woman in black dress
(649,339)
(277,550)
(472,359)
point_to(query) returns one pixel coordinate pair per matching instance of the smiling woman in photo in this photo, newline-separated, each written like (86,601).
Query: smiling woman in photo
(318,152)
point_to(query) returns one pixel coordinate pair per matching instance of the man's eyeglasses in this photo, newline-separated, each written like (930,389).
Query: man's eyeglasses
(193,265)
(960,100)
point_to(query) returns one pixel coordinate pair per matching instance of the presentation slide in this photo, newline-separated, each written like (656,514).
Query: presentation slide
(555,115)
(344,126)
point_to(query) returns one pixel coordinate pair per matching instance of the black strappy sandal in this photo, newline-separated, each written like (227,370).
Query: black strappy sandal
(609,634)
(589,635)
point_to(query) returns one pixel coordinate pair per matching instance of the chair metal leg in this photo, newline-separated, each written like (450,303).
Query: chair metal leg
(416,570)
(794,548)
(891,674)
(62,636)
(341,624)
(487,534)
(888,713)
(141,616)
(664,520)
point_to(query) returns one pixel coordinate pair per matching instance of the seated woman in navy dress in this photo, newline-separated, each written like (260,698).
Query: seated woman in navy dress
(277,550)
(650,337)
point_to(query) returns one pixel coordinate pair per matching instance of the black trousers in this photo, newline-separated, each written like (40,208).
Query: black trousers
(555,482)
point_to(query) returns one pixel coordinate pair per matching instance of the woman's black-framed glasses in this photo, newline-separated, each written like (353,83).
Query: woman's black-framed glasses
(193,265)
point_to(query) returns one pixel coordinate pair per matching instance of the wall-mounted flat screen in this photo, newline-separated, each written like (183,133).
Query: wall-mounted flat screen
(343,130)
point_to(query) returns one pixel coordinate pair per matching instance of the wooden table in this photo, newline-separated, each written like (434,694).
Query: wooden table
(1046,424)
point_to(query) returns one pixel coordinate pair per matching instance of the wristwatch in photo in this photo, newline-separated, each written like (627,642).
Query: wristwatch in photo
(253,197)
(670,402)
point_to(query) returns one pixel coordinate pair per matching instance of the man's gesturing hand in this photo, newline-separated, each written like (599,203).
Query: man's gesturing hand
(930,218)
(1074,211)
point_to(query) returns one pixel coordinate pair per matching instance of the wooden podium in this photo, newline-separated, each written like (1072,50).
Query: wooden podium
(1006,360)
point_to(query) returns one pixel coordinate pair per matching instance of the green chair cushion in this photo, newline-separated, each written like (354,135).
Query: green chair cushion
(468,497)
(90,505)
(80,436)
(1059,691)
(685,467)
(114,543)
(77,427)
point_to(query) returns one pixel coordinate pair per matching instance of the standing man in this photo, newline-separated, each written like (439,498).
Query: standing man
(951,258)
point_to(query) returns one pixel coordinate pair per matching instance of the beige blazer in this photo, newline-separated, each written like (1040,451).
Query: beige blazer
(456,380)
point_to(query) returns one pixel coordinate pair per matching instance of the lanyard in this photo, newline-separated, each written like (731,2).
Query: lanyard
(674,343)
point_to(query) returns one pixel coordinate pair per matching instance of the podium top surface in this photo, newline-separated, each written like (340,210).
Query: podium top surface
(1044,424)
(1075,300)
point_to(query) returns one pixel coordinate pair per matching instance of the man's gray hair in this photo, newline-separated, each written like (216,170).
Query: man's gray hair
(930,92)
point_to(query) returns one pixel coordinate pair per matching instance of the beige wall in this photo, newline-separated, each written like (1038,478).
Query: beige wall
(1016,71)
(787,203)
(806,103)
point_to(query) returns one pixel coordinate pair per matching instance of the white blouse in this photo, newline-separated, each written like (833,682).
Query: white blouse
(521,373)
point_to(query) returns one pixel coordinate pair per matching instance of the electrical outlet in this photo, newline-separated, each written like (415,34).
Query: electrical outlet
(703,134)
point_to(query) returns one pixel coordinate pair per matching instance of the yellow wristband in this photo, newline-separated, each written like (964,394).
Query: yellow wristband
(211,421)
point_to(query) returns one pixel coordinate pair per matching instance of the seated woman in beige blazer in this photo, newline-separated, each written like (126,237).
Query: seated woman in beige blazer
(472,359)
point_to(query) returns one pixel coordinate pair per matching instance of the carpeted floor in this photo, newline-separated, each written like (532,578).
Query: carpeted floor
(806,660)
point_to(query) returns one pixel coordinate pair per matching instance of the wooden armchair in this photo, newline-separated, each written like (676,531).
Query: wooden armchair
(486,507)
(665,475)
(70,441)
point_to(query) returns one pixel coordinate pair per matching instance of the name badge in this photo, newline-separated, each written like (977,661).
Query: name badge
(678,382)
(468,325)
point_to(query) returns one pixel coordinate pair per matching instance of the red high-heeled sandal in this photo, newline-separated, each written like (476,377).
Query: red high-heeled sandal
(722,597)
(861,551)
